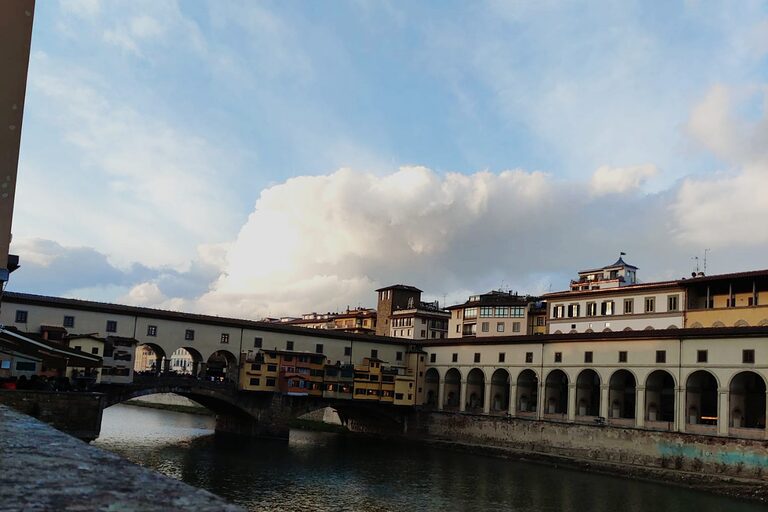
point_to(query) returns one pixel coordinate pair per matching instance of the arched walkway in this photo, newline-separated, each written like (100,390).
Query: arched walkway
(452,389)
(556,394)
(221,366)
(701,401)
(588,393)
(660,399)
(500,391)
(621,397)
(150,359)
(431,387)
(747,401)
(527,393)
(185,361)
(475,389)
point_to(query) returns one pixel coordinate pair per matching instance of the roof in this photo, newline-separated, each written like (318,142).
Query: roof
(30,344)
(619,290)
(120,309)
(496,298)
(734,275)
(400,287)
(619,263)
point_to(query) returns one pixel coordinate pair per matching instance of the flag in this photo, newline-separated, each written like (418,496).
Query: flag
(623,254)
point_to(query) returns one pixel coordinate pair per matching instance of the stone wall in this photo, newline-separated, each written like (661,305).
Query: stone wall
(43,469)
(77,414)
(601,444)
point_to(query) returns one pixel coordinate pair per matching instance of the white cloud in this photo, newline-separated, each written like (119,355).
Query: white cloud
(88,9)
(620,180)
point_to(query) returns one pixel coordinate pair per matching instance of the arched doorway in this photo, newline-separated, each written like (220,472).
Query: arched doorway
(527,393)
(588,394)
(556,394)
(452,389)
(221,367)
(185,361)
(475,389)
(150,359)
(660,400)
(622,394)
(747,402)
(431,387)
(701,402)
(500,391)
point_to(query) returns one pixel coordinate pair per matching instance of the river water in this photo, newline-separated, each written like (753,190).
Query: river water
(327,472)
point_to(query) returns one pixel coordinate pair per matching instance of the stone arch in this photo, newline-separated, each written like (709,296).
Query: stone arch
(696,325)
(718,323)
(527,391)
(747,400)
(627,329)
(648,328)
(607,329)
(622,395)
(558,332)
(452,389)
(673,326)
(221,366)
(701,398)
(431,387)
(150,359)
(186,361)
(589,330)
(741,323)
(588,393)
(475,389)
(660,397)
(500,390)
(556,393)
(763,322)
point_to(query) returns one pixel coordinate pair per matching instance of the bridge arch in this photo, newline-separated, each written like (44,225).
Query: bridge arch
(222,366)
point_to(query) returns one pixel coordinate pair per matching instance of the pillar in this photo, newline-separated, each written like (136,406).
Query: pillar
(513,398)
(195,368)
(722,411)
(463,396)
(604,397)
(681,416)
(440,394)
(203,368)
(540,400)
(571,401)
(640,406)
(487,398)
(166,365)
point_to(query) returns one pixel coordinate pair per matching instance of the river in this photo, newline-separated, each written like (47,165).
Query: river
(328,472)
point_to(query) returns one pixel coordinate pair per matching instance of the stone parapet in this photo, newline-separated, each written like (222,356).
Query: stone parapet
(77,414)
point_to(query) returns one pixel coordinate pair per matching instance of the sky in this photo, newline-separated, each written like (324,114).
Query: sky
(255,159)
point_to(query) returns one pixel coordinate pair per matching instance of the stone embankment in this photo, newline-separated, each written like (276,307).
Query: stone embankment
(42,469)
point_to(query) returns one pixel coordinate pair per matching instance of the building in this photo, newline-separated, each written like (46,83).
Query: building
(726,300)
(181,362)
(402,314)
(611,299)
(496,313)
(117,355)
(358,320)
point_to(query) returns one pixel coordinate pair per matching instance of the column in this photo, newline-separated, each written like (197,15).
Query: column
(463,396)
(571,401)
(487,398)
(166,365)
(513,399)
(640,406)
(723,411)
(604,397)
(681,416)
(440,394)
(195,368)
(203,368)
(540,400)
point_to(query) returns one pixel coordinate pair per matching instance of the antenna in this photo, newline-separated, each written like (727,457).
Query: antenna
(697,263)
(705,260)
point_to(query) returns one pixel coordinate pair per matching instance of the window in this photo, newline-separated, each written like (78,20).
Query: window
(270,382)
(650,304)
(573,310)
(485,326)
(499,326)
(289,345)
(151,330)
(748,356)
(189,334)
(5,364)
(271,367)
(69,321)
(398,356)
(255,381)
(78,348)
(255,367)
(319,348)
(502,356)
(591,309)
(455,357)
(661,356)
(628,306)
(224,337)
(432,358)
(111,326)
(588,357)
(558,311)
(25,366)
(423,333)
(622,356)
(529,357)
(486,312)
(606,308)
(95,350)
(701,356)
(502,312)
(21,317)
(672,303)
(257,341)
(458,328)
(470,313)
(347,351)
(558,357)
(374,353)
(477,357)
(515,326)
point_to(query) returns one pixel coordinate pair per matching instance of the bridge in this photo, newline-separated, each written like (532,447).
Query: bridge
(259,414)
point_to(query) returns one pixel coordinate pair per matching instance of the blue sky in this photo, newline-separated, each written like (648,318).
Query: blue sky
(191,151)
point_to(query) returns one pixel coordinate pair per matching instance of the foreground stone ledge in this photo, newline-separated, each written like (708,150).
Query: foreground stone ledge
(44,469)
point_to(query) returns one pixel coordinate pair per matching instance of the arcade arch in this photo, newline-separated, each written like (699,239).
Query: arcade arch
(621,395)
(475,389)
(527,392)
(747,401)
(556,393)
(660,397)
(431,387)
(588,393)
(452,389)
(500,390)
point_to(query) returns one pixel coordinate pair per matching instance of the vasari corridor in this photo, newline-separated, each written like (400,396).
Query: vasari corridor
(383,256)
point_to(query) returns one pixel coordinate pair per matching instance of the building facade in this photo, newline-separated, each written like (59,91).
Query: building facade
(402,314)
(497,313)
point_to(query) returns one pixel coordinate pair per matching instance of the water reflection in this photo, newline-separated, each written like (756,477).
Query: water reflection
(327,472)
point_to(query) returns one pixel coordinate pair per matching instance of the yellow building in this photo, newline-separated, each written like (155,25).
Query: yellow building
(367,383)
(727,300)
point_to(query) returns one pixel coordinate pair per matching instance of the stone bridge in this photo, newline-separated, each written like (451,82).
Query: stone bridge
(260,414)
